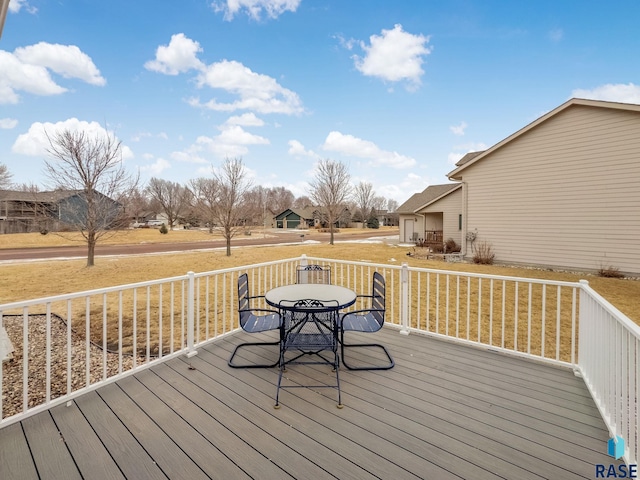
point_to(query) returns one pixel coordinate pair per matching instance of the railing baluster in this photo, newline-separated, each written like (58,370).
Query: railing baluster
(25,359)
(120,326)
(104,336)
(48,355)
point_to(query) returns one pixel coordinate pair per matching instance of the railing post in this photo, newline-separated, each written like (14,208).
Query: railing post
(303,260)
(191,351)
(584,330)
(404,299)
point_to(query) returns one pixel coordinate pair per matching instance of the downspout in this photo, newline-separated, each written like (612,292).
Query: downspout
(465,211)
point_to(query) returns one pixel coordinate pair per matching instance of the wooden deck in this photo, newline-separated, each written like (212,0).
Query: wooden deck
(444,411)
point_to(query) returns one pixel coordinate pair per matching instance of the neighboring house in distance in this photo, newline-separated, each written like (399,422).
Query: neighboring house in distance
(22,212)
(295,218)
(562,192)
(433,215)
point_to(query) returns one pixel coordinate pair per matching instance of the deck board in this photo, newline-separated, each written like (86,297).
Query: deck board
(16,462)
(444,411)
(86,448)
(50,454)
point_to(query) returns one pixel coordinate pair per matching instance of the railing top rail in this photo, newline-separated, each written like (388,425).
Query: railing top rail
(353,262)
(244,267)
(613,311)
(89,293)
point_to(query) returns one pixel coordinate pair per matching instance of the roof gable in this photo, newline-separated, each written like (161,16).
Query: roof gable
(469,160)
(429,195)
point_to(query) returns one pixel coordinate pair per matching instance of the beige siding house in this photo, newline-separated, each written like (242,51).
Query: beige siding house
(433,214)
(563,192)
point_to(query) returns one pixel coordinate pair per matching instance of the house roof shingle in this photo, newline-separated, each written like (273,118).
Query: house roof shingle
(44,197)
(428,195)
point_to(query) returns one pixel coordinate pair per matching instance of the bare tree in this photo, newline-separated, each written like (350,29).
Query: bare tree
(330,190)
(363,195)
(136,203)
(300,202)
(230,208)
(379,203)
(90,167)
(173,198)
(5,176)
(279,199)
(256,207)
(392,205)
(204,195)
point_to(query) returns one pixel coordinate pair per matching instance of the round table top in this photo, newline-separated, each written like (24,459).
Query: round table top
(315,291)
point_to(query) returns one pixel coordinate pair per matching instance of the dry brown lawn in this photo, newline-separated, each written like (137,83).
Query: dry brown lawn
(24,281)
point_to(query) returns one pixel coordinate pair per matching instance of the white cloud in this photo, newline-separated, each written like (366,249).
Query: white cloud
(193,154)
(619,92)
(356,147)
(27,70)
(231,142)
(254,8)
(347,43)
(8,123)
(297,149)
(401,191)
(18,76)
(66,60)
(459,129)
(246,119)
(16,5)
(394,56)
(35,142)
(156,168)
(257,92)
(177,57)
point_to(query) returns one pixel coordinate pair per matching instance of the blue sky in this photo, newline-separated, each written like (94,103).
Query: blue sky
(397,90)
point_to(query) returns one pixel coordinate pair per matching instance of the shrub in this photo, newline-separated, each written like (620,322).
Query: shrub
(450,246)
(436,247)
(163,229)
(609,271)
(483,254)
(43,231)
(373,222)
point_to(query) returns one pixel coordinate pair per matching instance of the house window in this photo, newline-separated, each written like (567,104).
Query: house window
(460,222)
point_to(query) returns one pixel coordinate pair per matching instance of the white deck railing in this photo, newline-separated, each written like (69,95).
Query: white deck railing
(81,341)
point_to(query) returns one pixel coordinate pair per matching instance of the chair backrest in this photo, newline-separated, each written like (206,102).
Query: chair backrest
(243,292)
(378,291)
(314,274)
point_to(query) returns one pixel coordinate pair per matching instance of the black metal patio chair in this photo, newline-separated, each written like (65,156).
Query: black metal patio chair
(309,330)
(254,320)
(367,320)
(314,274)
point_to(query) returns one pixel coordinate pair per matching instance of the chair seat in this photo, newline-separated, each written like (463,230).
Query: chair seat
(262,323)
(360,323)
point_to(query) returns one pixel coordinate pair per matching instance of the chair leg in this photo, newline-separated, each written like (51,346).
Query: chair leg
(365,345)
(252,365)
(336,366)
